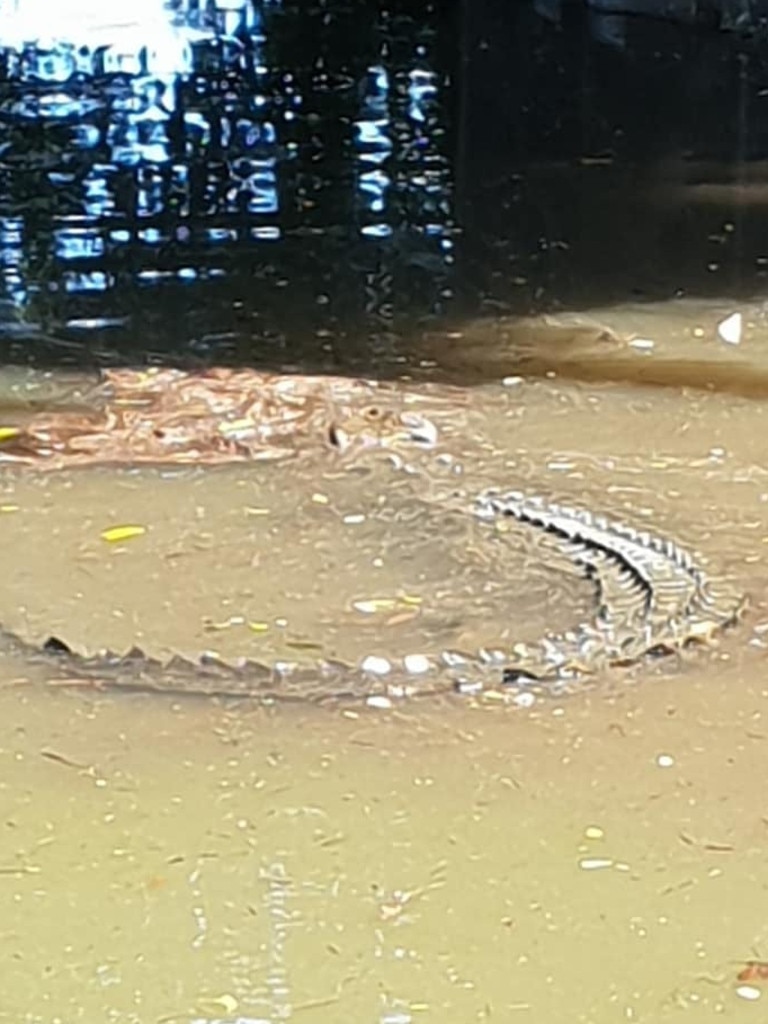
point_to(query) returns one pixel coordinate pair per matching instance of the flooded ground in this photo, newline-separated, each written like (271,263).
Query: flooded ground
(594,858)
(308,187)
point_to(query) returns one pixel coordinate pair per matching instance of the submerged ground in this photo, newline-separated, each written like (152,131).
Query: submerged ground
(595,858)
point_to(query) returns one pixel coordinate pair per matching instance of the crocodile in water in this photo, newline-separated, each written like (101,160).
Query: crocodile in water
(651,597)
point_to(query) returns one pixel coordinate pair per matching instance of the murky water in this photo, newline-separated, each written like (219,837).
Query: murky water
(596,858)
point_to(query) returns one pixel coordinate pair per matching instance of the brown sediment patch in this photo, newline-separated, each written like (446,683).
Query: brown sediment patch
(170,416)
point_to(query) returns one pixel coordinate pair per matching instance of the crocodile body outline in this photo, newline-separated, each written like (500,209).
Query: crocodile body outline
(652,595)
(652,598)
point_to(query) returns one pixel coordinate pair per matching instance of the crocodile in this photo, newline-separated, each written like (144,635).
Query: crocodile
(651,595)
(173,417)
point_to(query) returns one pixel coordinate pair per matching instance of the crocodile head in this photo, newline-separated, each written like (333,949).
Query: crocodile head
(376,427)
(222,415)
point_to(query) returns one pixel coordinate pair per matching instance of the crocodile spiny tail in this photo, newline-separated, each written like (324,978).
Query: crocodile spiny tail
(652,598)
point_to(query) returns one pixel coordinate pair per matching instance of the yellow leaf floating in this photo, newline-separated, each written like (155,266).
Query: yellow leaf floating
(117,533)
(6,433)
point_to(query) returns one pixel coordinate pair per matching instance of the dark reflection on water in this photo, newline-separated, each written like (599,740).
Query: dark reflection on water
(292,183)
(628,156)
(247,171)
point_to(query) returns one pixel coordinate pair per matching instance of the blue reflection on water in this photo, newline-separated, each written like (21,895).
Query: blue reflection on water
(165,138)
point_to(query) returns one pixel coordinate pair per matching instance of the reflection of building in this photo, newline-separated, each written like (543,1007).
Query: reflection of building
(200,145)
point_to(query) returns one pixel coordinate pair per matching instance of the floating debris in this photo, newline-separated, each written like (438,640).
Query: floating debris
(304,645)
(375,604)
(376,665)
(417,664)
(748,992)
(754,970)
(214,1005)
(115,534)
(729,330)
(595,863)
(378,702)
(7,433)
(233,620)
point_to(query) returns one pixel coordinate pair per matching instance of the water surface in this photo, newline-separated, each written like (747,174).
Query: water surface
(595,858)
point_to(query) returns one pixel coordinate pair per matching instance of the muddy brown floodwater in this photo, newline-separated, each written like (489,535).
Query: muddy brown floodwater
(595,858)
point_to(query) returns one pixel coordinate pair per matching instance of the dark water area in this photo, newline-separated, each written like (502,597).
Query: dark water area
(304,185)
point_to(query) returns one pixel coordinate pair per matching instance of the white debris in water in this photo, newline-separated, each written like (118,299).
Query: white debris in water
(665,760)
(378,666)
(375,604)
(416,664)
(466,686)
(729,330)
(749,992)
(378,702)
(454,659)
(422,430)
(395,1017)
(511,382)
(352,520)
(492,656)
(526,699)
(401,691)
(595,863)
(643,344)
